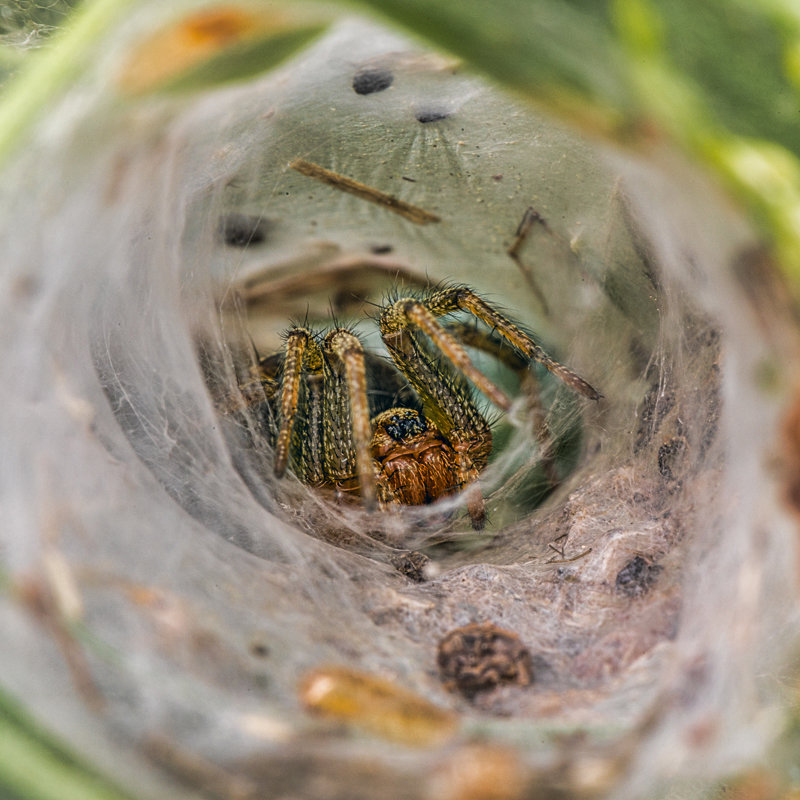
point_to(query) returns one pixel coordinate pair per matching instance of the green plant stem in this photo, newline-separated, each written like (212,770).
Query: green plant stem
(49,69)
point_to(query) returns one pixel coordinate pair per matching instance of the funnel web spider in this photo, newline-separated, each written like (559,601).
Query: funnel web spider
(401,433)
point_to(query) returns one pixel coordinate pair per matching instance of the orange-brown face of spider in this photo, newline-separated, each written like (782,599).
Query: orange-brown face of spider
(416,464)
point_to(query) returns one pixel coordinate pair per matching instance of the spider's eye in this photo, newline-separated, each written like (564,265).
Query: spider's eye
(401,427)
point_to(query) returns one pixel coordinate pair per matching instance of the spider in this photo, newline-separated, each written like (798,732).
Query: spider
(401,433)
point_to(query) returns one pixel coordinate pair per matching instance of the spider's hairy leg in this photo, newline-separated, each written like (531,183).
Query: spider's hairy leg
(301,352)
(412,312)
(440,385)
(348,431)
(468,476)
(476,507)
(461,298)
(488,342)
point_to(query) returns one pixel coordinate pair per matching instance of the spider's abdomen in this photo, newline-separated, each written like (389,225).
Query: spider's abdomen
(416,464)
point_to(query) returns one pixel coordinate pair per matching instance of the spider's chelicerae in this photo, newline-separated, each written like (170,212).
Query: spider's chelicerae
(406,432)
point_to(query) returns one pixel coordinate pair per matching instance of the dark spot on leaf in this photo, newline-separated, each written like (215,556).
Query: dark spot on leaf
(372,79)
(243,230)
(431,115)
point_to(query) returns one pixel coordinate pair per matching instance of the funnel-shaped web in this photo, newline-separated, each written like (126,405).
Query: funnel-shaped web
(202,607)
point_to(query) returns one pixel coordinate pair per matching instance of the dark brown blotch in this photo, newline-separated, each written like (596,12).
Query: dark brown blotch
(480,656)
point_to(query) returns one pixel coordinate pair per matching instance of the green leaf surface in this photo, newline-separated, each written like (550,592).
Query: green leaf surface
(547,49)
(735,55)
(51,69)
(722,78)
(34,766)
(246,60)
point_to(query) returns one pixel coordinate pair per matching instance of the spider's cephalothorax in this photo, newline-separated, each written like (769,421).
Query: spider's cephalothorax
(406,433)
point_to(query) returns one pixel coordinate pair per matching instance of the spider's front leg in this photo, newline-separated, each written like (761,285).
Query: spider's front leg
(346,420)
(444,393)
(320,399)
(299,408)
(437,365)
(486,341)
(461,298)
